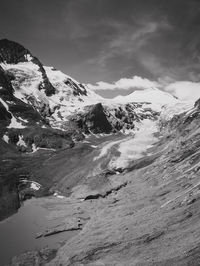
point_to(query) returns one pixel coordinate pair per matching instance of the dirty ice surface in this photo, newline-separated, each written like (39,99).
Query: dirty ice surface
(132,147)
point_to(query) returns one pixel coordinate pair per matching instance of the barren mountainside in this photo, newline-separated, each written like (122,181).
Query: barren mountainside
(118,178)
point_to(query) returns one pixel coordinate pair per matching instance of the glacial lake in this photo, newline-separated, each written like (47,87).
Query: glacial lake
(18,232)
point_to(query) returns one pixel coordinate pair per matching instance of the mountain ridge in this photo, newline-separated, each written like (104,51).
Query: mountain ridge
(97,166)
(55,99)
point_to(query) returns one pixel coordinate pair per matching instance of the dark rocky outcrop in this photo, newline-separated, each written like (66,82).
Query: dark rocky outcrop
(102,119)
(77,90)
(13,53)
(9,198)
(96,121)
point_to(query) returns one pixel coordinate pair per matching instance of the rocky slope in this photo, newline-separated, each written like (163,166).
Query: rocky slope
(42,108)
(127,169)
(147,215)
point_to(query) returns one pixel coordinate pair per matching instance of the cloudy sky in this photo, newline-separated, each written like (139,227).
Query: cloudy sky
(111,41)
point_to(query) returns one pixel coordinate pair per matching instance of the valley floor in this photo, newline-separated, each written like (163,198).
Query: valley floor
(94,200)
(146,215)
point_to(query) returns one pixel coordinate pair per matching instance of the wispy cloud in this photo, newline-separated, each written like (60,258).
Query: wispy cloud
(126,42)
(184,90)
(128,39)
(125,84)
(147,39)
(109,39)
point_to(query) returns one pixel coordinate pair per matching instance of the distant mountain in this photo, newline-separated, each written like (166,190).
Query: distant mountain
(152,95)
(42,86)
(41,107)
(128,165)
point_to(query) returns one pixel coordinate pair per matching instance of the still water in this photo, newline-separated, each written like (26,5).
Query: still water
(18,232)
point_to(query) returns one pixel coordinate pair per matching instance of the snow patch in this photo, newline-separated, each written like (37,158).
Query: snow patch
(4,104)
(29,57)
(34,148)
(11,102)
(15,124)
(35,186)
(5,138)
(23,120)
(58,196)
(27,79)
(94,146)
(21,142)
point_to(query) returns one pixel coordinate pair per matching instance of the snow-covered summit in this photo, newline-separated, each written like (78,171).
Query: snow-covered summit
(159,100)
(152,95)
(43,107)
(59,94)
(70,95)
(46,89)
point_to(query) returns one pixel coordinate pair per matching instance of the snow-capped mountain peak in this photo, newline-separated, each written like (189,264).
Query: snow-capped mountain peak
(35,97)
(43,87)
(152,95)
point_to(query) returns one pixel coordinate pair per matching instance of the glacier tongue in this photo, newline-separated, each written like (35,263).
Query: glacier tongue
(135,147)
(132,147)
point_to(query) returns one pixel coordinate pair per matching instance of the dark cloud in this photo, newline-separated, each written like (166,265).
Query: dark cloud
(95,40)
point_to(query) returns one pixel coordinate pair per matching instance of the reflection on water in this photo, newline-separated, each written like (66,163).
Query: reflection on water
(19,231)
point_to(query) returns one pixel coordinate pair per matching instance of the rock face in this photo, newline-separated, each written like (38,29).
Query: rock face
(14,107)
(21,118)
(103,119)
(14,53)
(51,93)
(96,120)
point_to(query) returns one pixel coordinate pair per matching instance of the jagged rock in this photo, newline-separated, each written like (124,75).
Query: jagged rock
(96,121)
(77,89)
(13,53)
(102,119)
